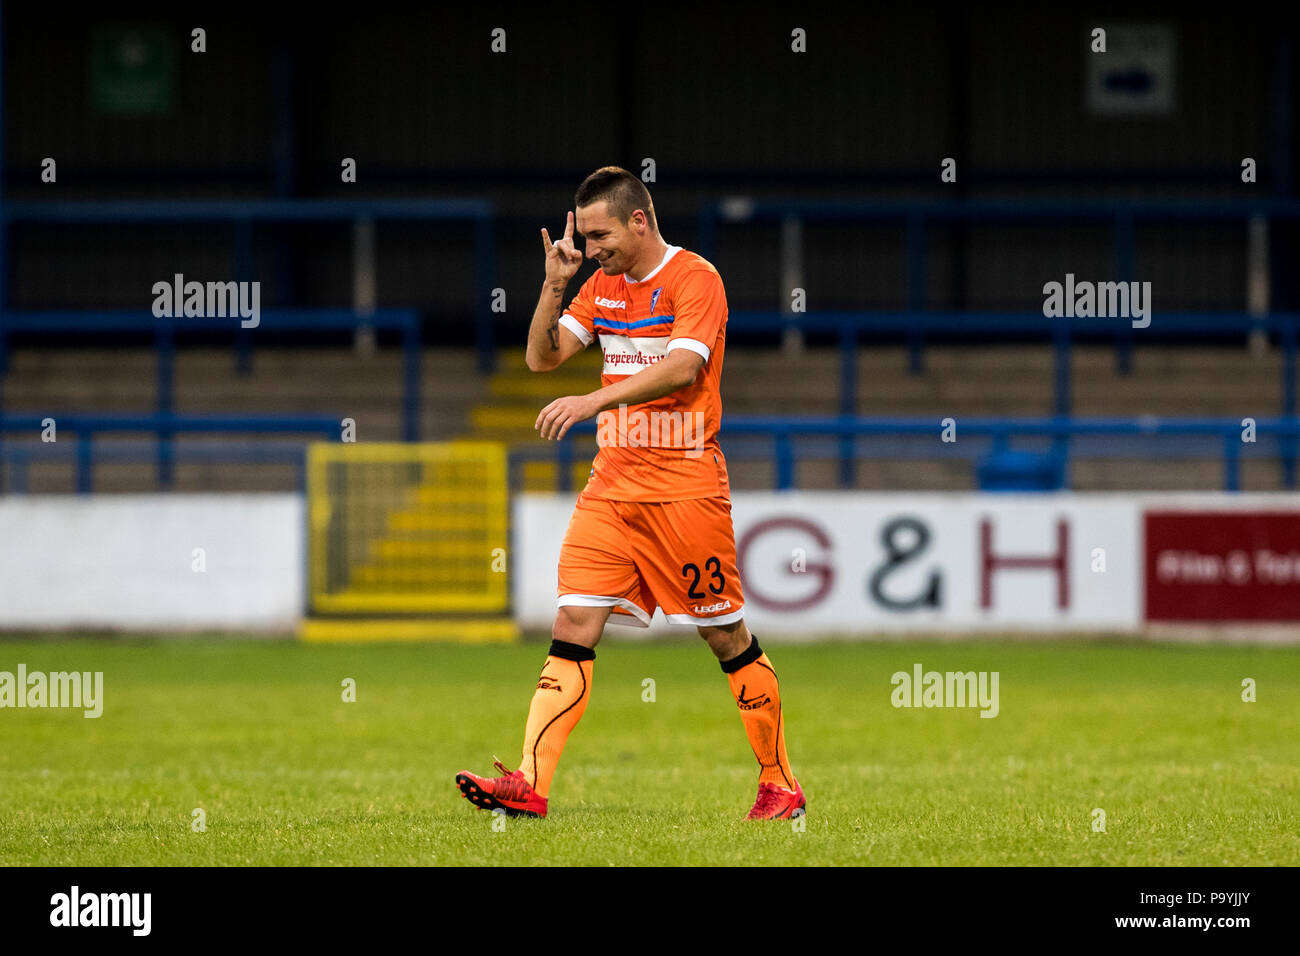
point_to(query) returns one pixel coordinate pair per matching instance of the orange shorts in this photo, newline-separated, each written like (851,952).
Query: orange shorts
(635,556)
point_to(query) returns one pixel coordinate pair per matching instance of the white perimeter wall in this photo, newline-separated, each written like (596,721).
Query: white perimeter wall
(126,562)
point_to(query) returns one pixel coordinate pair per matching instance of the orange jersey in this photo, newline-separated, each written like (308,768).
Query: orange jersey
(665,449)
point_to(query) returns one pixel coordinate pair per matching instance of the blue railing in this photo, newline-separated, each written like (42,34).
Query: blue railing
(164,427)
(164,330)
(912,323)
(785,440)
(241,215)
(915,216)
(20,455)
(786,434)
(850,326)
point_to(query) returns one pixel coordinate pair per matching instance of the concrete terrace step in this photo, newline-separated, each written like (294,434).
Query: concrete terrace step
(540,389)
(1014,380)
(518,418)
(513,361)
(220,365)
(542,475)
(515,437)
(900,475)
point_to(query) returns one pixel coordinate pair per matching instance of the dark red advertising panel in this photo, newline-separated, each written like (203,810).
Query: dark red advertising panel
(1222,565)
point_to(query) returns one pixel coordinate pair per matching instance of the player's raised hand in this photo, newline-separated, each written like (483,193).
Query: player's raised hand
(562,259)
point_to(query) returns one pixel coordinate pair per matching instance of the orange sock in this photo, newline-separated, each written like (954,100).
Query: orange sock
(558,703)
(754,685)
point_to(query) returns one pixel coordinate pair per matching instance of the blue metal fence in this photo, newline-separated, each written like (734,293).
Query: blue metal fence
(164,427)
(849,327)
(164,330)
(788,436)
(915,216)
(20,455)
(784,440)
(241,215)
(913,323)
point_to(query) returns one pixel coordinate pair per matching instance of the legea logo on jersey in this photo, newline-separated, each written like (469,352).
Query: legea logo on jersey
(611,303)
(653,428)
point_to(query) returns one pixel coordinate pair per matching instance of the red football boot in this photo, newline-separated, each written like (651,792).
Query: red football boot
(511,793)
(778,803)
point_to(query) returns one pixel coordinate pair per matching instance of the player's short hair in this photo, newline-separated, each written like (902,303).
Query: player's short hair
(624,192)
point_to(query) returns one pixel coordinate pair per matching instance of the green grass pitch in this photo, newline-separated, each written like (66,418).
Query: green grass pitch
(256,734)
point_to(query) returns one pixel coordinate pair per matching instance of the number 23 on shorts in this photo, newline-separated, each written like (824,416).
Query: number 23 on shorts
(714,578)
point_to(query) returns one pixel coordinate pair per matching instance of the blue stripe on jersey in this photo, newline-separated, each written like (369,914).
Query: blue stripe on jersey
(629,326)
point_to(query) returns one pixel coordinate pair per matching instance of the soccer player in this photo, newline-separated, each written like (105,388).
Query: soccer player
(652,528)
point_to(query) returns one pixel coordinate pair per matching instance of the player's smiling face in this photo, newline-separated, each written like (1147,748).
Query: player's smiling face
(613,245)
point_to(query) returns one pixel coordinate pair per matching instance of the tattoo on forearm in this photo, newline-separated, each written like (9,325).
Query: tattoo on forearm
(553,330)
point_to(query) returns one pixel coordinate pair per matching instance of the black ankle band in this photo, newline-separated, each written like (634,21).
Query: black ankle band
(747,656)
(571,652)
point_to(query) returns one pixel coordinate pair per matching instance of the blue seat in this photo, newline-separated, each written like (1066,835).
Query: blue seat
(1021,471)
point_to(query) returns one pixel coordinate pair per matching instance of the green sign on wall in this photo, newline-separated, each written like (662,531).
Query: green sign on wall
(132,70)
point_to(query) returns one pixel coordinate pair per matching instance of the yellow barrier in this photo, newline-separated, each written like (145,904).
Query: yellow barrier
(399,528)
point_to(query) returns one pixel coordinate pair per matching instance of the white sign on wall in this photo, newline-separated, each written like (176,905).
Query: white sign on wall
(1136,74)
(850,563)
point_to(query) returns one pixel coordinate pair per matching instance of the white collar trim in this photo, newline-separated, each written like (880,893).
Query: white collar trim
(672,251)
